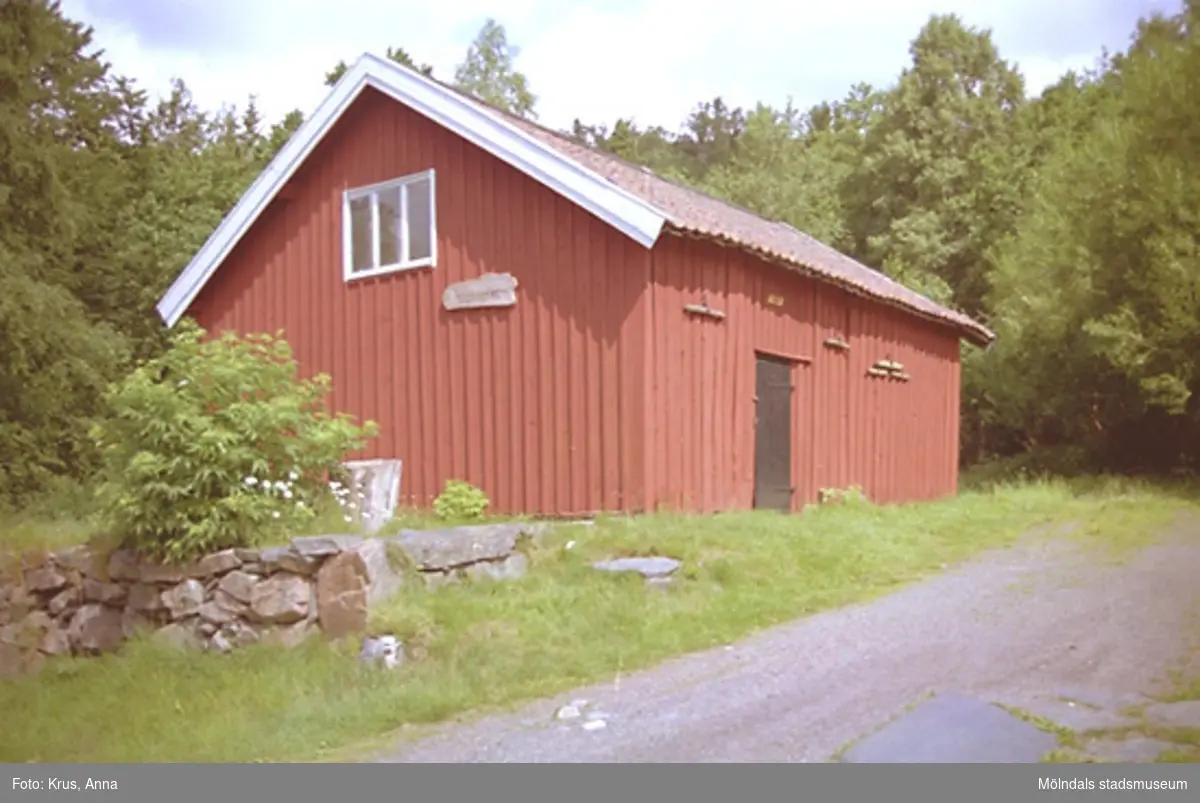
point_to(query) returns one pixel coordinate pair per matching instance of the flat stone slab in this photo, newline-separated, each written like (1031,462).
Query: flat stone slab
(1185,714)
(650,568)
(513,567)
(322,546)
(440,550)
(953,728)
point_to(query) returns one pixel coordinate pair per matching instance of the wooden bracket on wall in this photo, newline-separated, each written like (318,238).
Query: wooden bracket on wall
(705,310)
(889,369)
(837,343)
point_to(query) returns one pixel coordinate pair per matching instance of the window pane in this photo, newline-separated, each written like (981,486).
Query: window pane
(389,226)
(420,220)
(360,234)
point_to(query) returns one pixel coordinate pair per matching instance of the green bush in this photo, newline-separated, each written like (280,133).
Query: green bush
(460,501)
(217,443)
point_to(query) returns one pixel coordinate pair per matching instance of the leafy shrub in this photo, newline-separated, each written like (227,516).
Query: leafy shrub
(218,443)
(461,501)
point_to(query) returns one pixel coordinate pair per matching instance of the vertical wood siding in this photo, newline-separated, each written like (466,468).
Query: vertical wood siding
(597,391)
(897,440)
(540,404)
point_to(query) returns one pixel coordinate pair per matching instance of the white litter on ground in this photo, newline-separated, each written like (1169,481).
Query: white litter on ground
(384,650)
(568,712)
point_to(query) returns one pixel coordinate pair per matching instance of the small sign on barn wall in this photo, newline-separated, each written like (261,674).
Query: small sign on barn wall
(489,290)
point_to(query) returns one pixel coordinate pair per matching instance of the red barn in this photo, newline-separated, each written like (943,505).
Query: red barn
(631,344)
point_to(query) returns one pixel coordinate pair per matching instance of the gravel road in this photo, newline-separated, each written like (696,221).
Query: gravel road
(1040,616)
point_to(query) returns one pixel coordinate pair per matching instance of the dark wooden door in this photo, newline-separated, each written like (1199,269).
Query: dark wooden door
(773,434)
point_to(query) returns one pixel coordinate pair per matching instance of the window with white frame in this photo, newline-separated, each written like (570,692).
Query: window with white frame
(390,226)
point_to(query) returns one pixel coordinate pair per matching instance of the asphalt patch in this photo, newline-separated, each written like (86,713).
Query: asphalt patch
(952,728)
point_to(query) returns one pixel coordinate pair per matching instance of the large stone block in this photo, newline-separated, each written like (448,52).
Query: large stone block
(374,490)
(184,599)
(45,579)
(342,584)
(87,560)
(384,575)
(281,599)
(217,563)
(96,628)
(440,550)
(105,593)
(239,585)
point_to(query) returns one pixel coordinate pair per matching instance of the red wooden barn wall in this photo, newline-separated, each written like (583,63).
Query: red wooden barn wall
(540,404)
(897,440)
(596,391)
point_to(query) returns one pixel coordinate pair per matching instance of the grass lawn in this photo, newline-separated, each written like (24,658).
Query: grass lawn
(492,645)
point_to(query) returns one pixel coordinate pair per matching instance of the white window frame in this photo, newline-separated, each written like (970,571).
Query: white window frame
(372,191)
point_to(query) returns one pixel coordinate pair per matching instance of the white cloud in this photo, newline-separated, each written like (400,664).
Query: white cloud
(649,59)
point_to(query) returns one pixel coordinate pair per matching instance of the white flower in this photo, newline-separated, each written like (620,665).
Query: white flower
(182,383)
(333,486)
(362,495)
(250,481)
(293,476)
(281,485)
(347,519)
(287,494)
(275,514)
(350,505)
(299,504)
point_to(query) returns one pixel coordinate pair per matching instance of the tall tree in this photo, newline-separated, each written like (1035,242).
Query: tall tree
(710,136)
(102,201)
(60,156)
(279,135)
(654,147)
(942,167)
(774,172)
(488,72)
(1096,292)
(191,160)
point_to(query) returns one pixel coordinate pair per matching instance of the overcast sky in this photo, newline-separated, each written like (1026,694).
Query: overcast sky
(597,60)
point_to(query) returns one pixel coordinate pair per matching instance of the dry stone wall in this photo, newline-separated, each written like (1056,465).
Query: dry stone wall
(80,601)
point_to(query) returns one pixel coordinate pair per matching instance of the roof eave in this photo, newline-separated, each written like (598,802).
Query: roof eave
(969,330)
